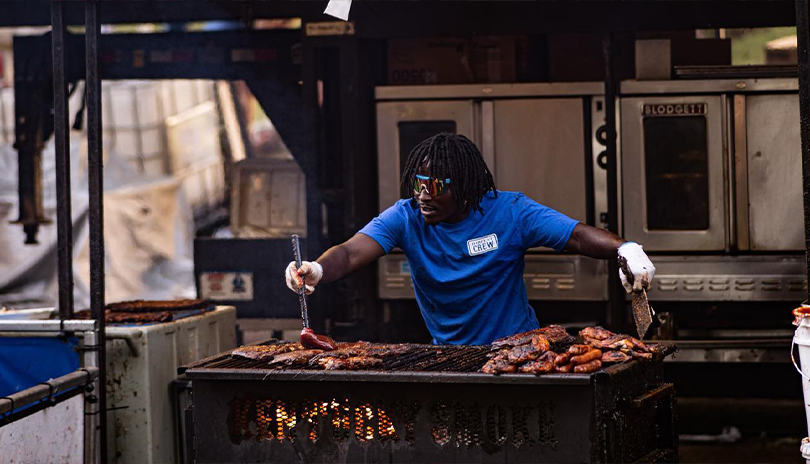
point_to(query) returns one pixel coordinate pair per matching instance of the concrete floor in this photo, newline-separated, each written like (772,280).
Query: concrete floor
(747,450)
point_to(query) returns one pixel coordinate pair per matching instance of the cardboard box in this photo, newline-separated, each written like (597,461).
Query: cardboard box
(453,60)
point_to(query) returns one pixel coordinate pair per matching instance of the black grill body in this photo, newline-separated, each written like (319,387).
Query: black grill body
(622,413)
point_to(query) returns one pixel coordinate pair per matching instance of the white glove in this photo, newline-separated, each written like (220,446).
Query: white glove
(312,272)
(639,265)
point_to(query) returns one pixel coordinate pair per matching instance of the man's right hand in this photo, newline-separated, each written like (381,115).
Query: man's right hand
(311,271)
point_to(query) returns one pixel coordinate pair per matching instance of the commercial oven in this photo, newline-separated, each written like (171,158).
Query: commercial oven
(711,184)
(540,139)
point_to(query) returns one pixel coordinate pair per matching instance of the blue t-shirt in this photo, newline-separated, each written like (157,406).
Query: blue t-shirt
(468,276)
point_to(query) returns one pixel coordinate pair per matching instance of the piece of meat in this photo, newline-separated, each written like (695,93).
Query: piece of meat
(562,359)
(265,352)
(354,363)
(544,363)
(576,350)
(607,340)
(310,339)
(137,306)
(587,357)
(499,365)
(595,333)
(645,356)
(613,357)
(592,366)
(555,334)
(530,351)
(361,348)
(564,368)
(293,358)
(154,316)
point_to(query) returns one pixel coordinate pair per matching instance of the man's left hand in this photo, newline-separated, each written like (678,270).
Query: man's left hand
(639,265)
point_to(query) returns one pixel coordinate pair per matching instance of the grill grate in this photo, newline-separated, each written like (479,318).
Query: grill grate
(419,358)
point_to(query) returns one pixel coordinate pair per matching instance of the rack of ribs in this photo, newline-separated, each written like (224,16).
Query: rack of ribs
(364,349)
(353,363)
(556,335)
(265,352)
(293,358)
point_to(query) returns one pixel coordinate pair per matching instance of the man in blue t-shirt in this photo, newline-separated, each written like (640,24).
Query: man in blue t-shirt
(465,242)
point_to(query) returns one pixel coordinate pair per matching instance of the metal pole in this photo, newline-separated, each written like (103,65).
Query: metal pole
(615,314)
(64,225)
(803,49)
(92,415)
(95,178)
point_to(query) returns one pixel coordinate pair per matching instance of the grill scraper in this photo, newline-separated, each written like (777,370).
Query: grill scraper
(642,311)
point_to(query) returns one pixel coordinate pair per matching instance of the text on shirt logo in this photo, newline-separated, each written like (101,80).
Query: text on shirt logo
(481,245)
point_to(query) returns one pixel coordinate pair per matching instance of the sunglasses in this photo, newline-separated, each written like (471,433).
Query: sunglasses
(434,187)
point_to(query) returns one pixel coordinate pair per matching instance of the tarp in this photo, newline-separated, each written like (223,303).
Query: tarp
(25,362)
(148,236)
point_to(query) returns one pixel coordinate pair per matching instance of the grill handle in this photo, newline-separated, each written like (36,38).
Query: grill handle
(653,395)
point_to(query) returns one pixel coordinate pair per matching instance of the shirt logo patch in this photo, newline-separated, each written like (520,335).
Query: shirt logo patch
(481,245)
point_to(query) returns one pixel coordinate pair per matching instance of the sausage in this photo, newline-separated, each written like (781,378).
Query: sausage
(576,350)
(592,366)
(309,339)
(564,368)
(562,359)
(587,357)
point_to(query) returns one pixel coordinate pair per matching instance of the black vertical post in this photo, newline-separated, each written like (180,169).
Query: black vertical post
(615,315)
(64,225)
(96,182)
(803,49)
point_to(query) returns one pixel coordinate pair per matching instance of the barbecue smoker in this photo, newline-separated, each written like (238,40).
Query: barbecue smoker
(430,405)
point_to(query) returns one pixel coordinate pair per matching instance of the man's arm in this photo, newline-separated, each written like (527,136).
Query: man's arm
(593,242)
(349,256)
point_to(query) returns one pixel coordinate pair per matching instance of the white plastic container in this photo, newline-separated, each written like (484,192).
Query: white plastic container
(802,339)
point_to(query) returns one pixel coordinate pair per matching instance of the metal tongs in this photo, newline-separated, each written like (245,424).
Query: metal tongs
(302,292)
(642,311)
(309,339)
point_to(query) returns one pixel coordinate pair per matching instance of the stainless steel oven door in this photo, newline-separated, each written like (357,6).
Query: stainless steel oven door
(402,125)
(673,182)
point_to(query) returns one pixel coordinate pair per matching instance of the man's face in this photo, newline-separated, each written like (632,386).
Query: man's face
(439,208)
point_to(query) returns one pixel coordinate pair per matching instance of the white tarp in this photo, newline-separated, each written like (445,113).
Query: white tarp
(147,228)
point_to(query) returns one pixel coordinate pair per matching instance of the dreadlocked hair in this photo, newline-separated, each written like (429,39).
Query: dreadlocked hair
(451,156)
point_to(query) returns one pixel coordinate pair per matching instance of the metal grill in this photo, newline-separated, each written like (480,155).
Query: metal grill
(421,358)
(428,405)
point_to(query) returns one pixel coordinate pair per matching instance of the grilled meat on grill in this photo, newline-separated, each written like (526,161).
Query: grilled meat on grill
(354,363)
(293,358)
(522,353)
(592,366)
(562,359)
(613,357)
(137,306)
(265,352)
(543,364)
(361,348)
(555,334)
(576,350)
(311,340)
(587,357)
(607,340)
(564,368)
(499,365)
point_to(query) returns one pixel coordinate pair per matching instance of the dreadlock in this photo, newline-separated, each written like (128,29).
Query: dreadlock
(456,157)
